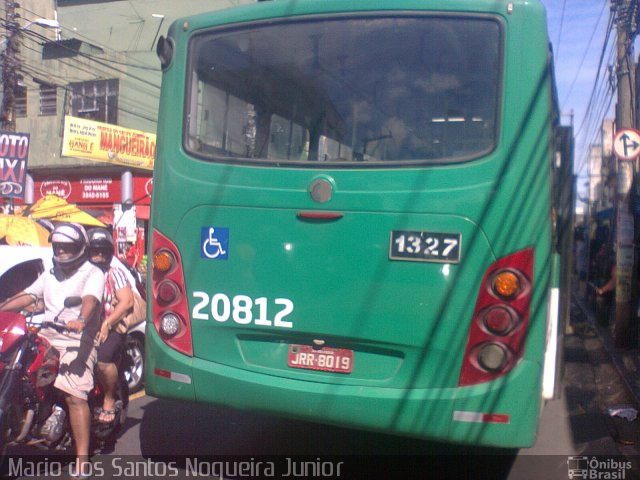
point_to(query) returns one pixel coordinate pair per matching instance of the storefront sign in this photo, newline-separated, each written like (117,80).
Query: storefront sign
(58,186)
(14,153)
(93,189)
(108,143)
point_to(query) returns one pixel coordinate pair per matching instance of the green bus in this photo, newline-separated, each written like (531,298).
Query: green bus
(361,216)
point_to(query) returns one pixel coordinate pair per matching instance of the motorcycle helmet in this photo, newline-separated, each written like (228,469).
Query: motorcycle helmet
(100,241)
(69,242)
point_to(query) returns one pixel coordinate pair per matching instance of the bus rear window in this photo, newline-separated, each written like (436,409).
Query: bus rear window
(355,91)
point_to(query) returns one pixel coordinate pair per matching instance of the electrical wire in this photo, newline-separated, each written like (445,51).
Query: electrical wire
(100,61)
(136,109)
(75,64)
(585,53)
(599,101)
(139,65)
(564,4)
(76,34)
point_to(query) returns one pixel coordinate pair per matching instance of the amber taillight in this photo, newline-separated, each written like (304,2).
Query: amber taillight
(170,309)
(500,319)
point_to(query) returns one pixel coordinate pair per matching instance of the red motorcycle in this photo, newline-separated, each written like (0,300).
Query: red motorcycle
(32,410)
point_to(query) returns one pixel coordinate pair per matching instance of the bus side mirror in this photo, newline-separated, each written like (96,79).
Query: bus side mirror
(164,50)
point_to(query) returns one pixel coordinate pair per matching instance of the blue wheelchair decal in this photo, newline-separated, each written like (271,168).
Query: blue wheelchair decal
(214,243)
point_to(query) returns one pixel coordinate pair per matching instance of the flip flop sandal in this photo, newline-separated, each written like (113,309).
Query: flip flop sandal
(107,413)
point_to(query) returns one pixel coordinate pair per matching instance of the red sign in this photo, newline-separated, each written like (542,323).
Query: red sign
(85,190)
(55,186)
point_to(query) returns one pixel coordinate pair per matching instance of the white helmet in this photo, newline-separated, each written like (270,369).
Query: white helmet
(69,242)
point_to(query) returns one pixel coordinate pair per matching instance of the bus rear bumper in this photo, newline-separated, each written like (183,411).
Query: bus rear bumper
(498,414)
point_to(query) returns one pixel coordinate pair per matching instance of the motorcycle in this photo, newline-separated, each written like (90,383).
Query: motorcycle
(32,410)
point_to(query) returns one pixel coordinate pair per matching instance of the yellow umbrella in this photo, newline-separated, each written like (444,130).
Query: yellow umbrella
(17,230)
(58,209)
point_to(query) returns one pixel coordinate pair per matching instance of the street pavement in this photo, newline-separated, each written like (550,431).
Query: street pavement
(605,380)
(578,425)
(625,360)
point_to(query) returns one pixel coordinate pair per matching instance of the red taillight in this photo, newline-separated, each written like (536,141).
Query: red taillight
(169,304)
(167,292)
(500,319)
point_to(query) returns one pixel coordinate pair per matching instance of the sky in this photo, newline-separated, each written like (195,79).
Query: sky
(577,30)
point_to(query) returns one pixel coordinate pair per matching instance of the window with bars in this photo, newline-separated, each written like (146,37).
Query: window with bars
(95,100)
(48,99)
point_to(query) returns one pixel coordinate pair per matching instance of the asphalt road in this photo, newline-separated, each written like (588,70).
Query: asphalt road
(161,436)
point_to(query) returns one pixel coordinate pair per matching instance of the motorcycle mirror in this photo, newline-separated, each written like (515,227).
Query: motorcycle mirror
(71,302)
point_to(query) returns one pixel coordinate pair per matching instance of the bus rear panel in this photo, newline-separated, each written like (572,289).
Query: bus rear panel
(352,215)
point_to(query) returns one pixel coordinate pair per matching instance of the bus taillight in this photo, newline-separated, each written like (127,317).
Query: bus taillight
(500,319)
(163,260)
(170,310)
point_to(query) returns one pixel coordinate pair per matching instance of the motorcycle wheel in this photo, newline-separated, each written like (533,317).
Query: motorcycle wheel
(134,362)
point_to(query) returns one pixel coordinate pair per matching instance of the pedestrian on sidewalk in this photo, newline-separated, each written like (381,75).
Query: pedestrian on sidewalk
(607,281)
(610,286)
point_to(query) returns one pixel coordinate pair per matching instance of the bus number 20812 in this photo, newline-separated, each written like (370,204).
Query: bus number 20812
(242,309)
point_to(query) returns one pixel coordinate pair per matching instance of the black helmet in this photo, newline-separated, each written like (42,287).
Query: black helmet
(69,242)
(101,241)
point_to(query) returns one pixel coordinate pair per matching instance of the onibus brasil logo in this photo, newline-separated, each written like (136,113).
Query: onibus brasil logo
(597,468)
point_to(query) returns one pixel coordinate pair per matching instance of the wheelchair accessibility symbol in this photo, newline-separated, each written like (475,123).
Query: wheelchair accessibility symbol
(215,243)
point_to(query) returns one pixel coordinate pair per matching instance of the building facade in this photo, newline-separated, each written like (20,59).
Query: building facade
(93,60)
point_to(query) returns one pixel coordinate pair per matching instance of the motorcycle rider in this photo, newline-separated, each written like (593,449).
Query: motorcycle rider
(71,275)
(117,302)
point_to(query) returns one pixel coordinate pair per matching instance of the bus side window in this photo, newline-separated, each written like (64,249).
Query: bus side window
(287,140)
(331,150)
(224,124)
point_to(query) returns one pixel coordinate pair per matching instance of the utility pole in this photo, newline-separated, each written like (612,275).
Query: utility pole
(10,67)
(625,264)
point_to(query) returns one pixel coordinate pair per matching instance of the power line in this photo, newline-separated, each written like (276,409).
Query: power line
(600,62)
(564,4)
(76,64)
(75,34)
(586,50)
(39,39)
(101,61)
(134,109)
(599,100)
(139,66)
(138,109)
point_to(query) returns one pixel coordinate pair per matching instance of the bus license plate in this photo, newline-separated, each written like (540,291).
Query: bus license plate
(338,360)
